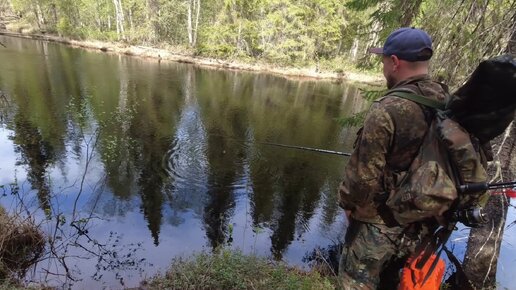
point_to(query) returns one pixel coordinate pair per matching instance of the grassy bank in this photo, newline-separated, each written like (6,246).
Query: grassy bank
(234,270)
(161,52)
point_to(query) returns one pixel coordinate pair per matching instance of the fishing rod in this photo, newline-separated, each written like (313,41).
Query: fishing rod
(3,45)
(471,217)
(286,146)
(306,148)
(482,186)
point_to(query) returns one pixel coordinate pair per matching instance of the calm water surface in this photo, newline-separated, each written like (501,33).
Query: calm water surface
(127,163)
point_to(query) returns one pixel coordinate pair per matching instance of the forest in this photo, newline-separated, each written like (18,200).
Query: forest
(331,35)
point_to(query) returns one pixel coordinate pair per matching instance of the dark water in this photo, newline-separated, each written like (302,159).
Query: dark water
(137,162)
(127,163)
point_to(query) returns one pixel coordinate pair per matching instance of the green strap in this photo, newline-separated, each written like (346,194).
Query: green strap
(418,99)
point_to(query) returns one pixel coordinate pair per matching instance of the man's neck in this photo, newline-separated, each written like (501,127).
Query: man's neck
(411,73)
(410,79)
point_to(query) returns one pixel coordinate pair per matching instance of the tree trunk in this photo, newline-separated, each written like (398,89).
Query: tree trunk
(511,45)
(121,18)
(354,49)
(239,36)
(115,2)
(131,19)
(197,13)
(54,13)
(153,13)
(119,13)
(77,17)
(98,20)
(410,9)
(35,11)
(189,24)
(41,16)
(481,258)
(194,7)
(375,34)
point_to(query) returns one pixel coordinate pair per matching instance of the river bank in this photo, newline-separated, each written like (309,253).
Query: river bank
(160,54)
(230,269)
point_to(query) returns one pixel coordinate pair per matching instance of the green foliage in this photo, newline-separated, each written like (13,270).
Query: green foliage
(99,35)
(64,27)
(360,5)
(353,121)
(357,119)
(321,33)
(465,33)
(372,95)
(233,270)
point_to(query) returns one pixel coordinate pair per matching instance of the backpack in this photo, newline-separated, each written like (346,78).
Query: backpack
(451,154)
(448,157)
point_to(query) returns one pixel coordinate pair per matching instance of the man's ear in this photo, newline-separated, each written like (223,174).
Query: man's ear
(395,63)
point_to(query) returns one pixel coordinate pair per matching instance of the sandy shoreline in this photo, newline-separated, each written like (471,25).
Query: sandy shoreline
(167,55)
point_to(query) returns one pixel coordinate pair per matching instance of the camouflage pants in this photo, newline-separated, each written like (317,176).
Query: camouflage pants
(373,255)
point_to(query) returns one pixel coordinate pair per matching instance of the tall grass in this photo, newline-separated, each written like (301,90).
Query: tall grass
(227,269)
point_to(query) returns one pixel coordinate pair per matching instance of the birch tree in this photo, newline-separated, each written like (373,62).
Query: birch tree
(119,16)
(152,16)
(194,11)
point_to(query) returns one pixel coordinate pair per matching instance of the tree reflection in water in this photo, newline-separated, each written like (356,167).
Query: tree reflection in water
(117,148)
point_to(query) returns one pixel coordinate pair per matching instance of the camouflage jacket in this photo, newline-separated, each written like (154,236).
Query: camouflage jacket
(393,131)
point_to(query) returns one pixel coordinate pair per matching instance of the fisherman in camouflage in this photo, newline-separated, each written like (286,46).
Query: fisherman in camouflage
(376,247)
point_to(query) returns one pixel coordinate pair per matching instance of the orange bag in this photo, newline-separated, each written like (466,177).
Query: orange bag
(412,277)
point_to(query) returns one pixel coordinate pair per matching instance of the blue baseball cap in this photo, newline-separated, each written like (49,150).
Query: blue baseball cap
(407,43)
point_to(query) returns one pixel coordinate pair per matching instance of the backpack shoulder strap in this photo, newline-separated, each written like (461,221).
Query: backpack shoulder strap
(410,95)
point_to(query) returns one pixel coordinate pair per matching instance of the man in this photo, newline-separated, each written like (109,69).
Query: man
(376,247)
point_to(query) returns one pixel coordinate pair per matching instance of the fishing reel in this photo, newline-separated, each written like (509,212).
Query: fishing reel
(471,217)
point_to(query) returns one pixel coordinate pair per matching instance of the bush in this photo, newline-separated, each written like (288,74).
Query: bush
(65,28)
(94,34)
(21,244)
(20,26)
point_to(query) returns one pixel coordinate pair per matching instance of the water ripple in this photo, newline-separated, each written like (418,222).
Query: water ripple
(186,160)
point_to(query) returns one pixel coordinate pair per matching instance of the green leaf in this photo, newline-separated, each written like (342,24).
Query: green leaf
(353,121)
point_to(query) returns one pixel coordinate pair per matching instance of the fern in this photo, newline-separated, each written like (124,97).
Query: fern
(358,119)
(352,121)
(372,95)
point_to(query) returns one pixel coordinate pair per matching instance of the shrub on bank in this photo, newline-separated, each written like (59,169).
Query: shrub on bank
(6,285)
(234,270)
(20,26)
(21,244)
